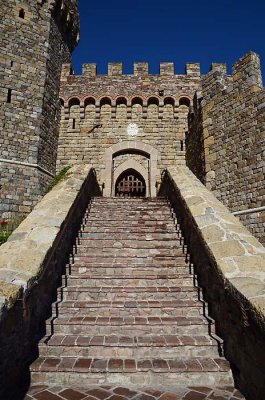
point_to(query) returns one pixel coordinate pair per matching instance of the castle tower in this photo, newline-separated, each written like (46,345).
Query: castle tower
(37,36)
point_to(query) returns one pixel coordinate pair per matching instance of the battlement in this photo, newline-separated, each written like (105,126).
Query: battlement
(246,75)
(166,69)
(248,65)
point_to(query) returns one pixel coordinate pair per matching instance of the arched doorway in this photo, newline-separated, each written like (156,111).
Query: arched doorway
(131,147)
(130,184)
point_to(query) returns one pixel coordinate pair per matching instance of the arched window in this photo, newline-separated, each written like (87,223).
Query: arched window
(184,101)
(74,101)
(137,100)
(104,101)
(152,101)
(169,100)
(121,100)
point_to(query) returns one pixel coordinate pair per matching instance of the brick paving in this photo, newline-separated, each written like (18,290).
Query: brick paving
(128,317)
(43,392)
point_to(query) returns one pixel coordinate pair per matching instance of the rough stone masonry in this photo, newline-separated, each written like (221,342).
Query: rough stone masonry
(139,123)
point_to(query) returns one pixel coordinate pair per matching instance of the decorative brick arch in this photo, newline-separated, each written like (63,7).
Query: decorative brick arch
(134,147)
(131,164)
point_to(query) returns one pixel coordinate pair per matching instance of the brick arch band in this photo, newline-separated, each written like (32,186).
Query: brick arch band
(131,147)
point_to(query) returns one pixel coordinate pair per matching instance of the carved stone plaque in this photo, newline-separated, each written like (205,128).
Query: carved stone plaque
(132,129)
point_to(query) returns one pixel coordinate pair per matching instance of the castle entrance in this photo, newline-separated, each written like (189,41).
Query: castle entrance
(130,184)
(130,169)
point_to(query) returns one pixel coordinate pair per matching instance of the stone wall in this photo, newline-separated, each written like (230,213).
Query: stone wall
(232,120)
(229,264)
(99,111)
(27,288)
(31,31)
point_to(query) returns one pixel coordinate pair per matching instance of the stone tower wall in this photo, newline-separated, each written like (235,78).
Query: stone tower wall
(99,111)
(228,127)
(37,37)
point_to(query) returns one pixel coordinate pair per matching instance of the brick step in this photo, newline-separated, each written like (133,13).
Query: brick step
(142,236)
(130,230)
(129,308)
(172,303)
(114,243)
(152,255)
(123,351)
(122,211)
(75,370)
(181,326)
(132,200)
(128,252)
(140,262)
(126,271)
(131,222)
(154,346)
(126,293)
(179,262)
(136,278)
(86,392)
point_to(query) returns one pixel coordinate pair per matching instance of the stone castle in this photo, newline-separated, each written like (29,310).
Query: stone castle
(142,141)
(136,124)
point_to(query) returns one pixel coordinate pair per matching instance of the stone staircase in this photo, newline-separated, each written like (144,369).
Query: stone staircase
(128,313)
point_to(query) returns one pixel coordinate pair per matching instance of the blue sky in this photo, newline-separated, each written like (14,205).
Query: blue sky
(202,31)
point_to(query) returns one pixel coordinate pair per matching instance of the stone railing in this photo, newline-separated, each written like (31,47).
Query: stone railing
(230,267)
(31,264)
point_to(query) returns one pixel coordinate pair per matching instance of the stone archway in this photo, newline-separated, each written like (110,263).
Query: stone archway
(130,183)
(133,165)
(131,147)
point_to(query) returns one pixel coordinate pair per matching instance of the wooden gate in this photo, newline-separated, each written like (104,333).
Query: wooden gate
(130,184)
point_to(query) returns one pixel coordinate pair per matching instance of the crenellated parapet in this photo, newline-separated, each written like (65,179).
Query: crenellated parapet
(166,69)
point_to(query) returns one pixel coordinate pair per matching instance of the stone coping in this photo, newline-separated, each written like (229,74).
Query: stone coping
(238,255)
(22,257)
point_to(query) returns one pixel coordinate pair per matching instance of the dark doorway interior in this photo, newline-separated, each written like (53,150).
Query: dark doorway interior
(130,184)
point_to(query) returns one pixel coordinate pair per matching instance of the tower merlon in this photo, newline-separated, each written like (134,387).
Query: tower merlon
(193,69)
(219,67)
(166,69)
(66,71)
(247,72)
(89,70)
(140,68)
(114,69)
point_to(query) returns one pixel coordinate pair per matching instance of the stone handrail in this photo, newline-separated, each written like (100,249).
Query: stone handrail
(32,262)
(230,266)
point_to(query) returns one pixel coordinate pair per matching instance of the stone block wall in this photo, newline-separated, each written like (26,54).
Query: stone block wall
(27,289)
(230,138)
(33,47)
(99,111)
(229,265)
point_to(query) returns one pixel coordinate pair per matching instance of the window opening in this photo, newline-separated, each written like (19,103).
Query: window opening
(21,13)
(9,96)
